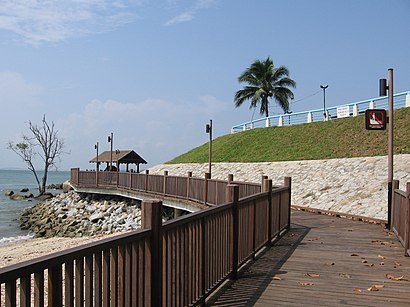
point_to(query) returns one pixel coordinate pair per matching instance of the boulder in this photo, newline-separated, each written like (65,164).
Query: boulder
(45,196)
(9,193)
(24,190)
(67,186)
(17,197)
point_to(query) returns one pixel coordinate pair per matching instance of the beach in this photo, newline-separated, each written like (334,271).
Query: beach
(24,250)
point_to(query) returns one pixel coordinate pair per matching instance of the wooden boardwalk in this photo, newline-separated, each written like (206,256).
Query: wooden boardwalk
(324,261)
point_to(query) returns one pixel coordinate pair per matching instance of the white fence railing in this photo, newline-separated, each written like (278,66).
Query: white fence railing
(351,109)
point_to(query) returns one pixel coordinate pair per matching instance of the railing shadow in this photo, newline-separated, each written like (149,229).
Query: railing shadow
(258,274)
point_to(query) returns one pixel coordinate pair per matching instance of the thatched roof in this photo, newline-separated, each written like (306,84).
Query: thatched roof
(124,157)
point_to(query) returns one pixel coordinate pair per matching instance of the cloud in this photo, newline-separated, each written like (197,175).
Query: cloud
(37,22)
(157,129)
(190,13)
(15,89)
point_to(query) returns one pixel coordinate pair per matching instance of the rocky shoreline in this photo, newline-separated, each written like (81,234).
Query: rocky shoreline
(73,215)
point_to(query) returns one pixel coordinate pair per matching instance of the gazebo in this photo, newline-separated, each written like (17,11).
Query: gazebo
(118,157)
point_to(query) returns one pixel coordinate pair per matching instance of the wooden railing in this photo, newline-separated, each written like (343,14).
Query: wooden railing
(401,215)
(202,190)
(176,263)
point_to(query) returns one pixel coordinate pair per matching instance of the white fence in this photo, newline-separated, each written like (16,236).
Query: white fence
(352,109)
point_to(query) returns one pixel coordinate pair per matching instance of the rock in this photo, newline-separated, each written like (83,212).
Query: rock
(67,186)
(95,217)
(9,193)
(55,186)
(17,197)
(24,190)
(44,196)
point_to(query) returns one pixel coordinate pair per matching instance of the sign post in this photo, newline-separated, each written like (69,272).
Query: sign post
(384,86)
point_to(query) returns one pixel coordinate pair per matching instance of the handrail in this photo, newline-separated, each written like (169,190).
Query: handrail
(354,109)
(177,263)
(401,215)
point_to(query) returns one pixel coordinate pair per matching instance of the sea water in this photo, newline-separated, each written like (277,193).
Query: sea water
(10,210)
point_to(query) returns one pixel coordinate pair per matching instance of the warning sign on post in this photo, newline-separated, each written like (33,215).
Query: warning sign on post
(376,119)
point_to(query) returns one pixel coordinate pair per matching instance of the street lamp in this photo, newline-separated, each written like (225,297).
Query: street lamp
(324,87)
(96,164)
(209,130)
(96,148)
(111,141)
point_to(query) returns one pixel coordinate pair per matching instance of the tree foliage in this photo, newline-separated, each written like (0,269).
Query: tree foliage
(45,138)
(265,81)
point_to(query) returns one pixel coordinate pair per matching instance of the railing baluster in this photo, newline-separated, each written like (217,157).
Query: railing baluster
(69,283)
(25,291)
(10,294)
(55,293)
(106,278)
(88,280)
(39,289)
(79,282)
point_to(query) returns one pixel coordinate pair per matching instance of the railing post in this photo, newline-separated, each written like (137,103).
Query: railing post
(288,184)
(408,100)
(395,186)
(152,219)
(206,183)
(188,186)
(165,182)
(232,196)
(267,187)
(146,180)
(309,117)
(407,226)
(355,110)
(230,178)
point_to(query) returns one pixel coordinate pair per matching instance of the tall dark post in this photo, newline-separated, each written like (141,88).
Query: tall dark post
(382,90)
(111,141)
(96,165)
(390,151)
(324,87)
(209,130)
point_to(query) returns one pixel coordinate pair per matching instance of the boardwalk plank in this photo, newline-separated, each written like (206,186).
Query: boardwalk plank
(339,250)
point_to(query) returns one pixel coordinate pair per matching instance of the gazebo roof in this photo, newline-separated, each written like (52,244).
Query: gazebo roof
(124,157)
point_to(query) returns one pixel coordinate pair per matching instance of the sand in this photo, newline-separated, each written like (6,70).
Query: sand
(20,251)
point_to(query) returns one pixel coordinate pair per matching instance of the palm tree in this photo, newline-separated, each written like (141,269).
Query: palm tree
(265,81)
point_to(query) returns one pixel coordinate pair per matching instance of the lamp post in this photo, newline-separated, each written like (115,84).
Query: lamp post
(384,86)
(324,87)
(209,130)
(96,164)
(111,141)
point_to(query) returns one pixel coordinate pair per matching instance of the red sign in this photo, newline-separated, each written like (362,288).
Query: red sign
(376,119)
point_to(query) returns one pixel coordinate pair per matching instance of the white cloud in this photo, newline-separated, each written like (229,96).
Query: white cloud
(157,129)
(190,13)
(53,21)
(184,17)
(14,88)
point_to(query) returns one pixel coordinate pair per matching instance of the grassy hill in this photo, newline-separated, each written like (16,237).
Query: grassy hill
(342,138)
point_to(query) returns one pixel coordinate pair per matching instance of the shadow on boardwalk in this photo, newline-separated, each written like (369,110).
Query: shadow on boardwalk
(324,261)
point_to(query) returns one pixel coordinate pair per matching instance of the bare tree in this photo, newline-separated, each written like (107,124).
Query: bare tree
(46,137)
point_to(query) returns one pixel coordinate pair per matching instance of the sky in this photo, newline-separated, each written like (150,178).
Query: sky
(155,72)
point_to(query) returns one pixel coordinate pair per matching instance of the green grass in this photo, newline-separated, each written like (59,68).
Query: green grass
(342,138)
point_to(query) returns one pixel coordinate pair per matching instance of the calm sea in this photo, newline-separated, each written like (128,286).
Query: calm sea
(10,210)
